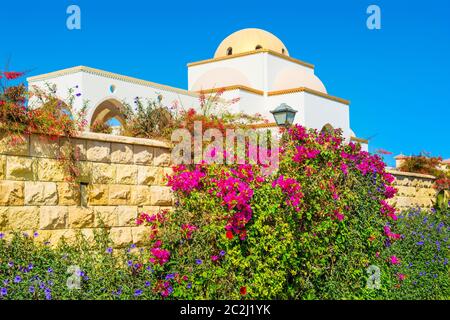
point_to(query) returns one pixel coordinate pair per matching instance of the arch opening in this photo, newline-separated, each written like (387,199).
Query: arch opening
(229,51)
(108,118)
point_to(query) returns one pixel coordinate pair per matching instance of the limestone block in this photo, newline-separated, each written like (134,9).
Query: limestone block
(141,235)
(77,146)
(105,216)
(68,194)
(162,157)
(119,194)
(161,196)
(51,170)
(98,194)
(41,193)
(150,175)
(98,151)
(141,195)
(17,148)
(121,153)
(126,216)
(80,217)
(43,146)
(143,155)
(23,218)
(103,173)
(126,174)
(149,209)
(53,218)
(20,168)
(2,167)
(11,193)
(121,236)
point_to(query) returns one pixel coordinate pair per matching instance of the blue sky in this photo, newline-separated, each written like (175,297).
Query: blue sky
(397,78)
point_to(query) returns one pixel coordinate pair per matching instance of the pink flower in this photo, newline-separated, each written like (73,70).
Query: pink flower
(339,215)
(401,276)
(214,258)
(394,260)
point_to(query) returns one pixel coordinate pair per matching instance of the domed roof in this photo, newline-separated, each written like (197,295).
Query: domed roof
(246,40)
(295,78)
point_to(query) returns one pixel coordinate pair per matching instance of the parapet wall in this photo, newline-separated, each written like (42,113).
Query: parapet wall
(414,190)
(120,177)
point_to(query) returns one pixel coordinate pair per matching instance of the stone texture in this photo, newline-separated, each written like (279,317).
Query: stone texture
(51,170)
(126,216)
(2,167)
(11,193)
(140,235)
(85,172)
(162,157)
(105,215)
(19,148)
(103,173)
(98,194)
(126,174)
(121,153)
(42,146)
(68,194)
(78,146)
(150,175)
(141,196)
(20,168)
(3,218)
(143,155)
(121,236)
(80,217)
(161,196)
(41,193)
(53,218)
(119,195)
(98,151)
(23,218)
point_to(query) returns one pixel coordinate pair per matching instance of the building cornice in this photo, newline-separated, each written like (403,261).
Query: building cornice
(231,88)
(237,55)
(110,75)
(311,91)
(275,93)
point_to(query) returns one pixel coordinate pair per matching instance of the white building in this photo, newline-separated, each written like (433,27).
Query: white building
(251,64)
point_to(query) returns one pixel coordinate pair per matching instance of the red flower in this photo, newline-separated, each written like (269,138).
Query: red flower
(243,291)
(13,75)
(229,235)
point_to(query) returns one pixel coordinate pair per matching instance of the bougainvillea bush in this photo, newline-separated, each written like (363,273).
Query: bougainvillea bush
(308,231)
(425,250)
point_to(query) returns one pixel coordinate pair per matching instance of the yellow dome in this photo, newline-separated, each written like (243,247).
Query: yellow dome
(246,40)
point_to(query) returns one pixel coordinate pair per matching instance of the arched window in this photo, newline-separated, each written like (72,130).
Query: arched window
(229,51)
(283,51)
(258,47)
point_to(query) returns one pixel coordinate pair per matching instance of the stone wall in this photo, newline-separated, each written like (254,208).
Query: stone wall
(120,177)
(414,190)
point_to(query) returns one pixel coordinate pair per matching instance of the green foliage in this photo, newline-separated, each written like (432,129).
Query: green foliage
(34,271)
(425,251)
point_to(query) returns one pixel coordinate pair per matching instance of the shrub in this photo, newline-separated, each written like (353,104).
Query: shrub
(309,231)
(32,270)
(425,250)
(40,111)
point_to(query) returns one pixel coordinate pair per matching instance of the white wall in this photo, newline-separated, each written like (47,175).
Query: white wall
(96,89)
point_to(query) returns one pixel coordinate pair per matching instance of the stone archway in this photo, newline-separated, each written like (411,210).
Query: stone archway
(110,109)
